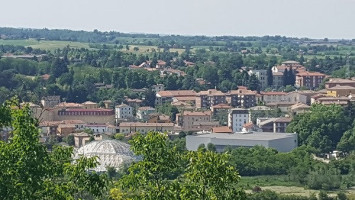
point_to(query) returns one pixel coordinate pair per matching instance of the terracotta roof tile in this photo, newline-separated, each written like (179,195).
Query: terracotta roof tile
(221,129)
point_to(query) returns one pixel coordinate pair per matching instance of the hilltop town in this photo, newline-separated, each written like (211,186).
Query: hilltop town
(276,110)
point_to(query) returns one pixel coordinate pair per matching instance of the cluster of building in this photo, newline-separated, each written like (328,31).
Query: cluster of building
(303,78)
(162,67)
(197,112)
(244,124)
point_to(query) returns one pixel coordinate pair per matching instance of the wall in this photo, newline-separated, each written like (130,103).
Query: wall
(284,144)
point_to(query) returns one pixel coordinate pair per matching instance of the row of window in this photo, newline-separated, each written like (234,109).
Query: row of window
(83,113)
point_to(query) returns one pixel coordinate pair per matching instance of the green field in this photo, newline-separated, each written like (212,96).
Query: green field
(281,185)
(44,44)
(52,45)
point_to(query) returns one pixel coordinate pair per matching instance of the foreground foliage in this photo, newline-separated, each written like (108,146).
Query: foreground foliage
(207,175)
(29,171)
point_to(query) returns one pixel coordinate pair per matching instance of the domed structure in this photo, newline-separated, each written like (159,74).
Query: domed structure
(111,153)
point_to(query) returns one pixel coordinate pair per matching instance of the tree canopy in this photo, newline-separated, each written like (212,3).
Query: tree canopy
(322,127)
(29,171)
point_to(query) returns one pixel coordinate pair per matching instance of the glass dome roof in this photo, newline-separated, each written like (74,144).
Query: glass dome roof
(111,153)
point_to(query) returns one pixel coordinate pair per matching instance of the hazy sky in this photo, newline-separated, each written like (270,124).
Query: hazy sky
(300,18)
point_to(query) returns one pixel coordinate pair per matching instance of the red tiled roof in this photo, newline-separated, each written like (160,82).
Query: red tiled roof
(161,62)
(45,76)
(340,80)
(221,129)
(341,87)
(176,93)
(188,98)
(139,124)
(211,92)
(248,125)
(190,113)
(243,92)
(273,93)
(306,73)
(89,110)
(73,122)
(64,104)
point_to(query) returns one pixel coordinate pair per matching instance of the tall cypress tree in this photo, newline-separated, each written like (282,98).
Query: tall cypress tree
(59,67)
(286,81)
(291,77)
(269,76)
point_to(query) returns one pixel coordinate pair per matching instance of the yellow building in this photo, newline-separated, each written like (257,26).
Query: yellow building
(340,91)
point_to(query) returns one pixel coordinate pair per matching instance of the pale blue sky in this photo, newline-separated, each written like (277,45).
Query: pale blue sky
(300,18)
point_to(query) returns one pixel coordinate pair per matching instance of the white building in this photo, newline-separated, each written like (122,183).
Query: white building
(97,128)
(111,153)
(237,117)
(123,111)
(282,142)
(144,112)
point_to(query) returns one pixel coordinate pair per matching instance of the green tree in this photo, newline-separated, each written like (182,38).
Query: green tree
(119,136)
(269,76)
(321,128)
(253,83)
(70,140)
(29,171)
(211,147)
(347,141)
(148,178)
(149,99)
(285,77)
(217,180)
(291,77)
(59,67)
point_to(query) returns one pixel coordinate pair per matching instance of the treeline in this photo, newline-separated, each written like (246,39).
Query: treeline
(299,166)
(98,36)
(326,128)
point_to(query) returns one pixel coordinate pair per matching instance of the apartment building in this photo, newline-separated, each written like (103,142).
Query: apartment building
(277,79)
(309,80)
(302,96)
(339,82)
(195,121)
(211,97)
(241,98)
(123,111)
(270,97)
(237,117)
